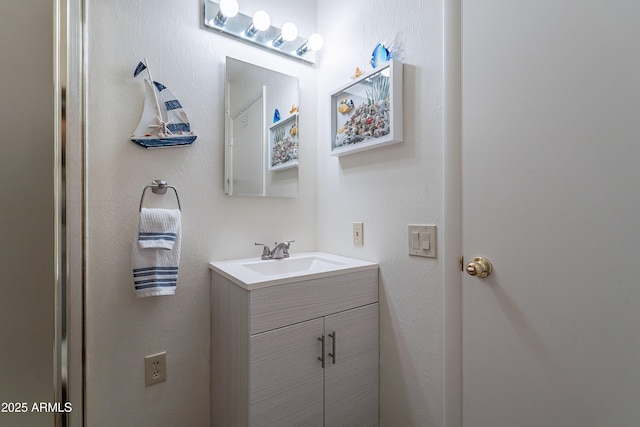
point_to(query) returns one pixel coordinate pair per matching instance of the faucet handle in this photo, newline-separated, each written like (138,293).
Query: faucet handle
(266,252)
(286,247)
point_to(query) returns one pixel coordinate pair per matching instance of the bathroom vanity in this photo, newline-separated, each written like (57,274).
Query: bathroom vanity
(294,341)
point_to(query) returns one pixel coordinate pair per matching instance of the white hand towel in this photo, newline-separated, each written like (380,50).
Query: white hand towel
(158,228)
(155,270)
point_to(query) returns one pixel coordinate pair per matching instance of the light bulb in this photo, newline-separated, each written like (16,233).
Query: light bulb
(289,31)
(229,8)
(261,20)
(315,41)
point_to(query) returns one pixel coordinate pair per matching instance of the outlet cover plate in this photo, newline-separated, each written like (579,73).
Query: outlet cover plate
(422,240)
(155,368)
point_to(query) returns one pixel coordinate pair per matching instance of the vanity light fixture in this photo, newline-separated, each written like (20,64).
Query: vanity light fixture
(224,17)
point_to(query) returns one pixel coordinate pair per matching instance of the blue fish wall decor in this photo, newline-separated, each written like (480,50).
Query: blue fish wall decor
(380,55)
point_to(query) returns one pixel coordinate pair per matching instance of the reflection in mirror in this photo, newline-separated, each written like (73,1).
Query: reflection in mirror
(261,153)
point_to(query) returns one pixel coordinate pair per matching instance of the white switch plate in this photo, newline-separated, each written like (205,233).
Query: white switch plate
(358,234)
(422,240)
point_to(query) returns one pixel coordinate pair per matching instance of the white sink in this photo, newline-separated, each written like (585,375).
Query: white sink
(253,273)
(292,265)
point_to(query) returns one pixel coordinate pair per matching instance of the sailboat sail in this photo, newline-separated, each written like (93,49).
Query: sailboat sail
(172,111)
(149,115)
(163,122)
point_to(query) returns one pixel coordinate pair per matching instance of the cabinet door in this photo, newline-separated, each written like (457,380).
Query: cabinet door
(351,383)
(286,377)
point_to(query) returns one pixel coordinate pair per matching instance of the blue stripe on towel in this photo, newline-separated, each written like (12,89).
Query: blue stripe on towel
(155,285)
(142,288)
(138,270)
(156,273)
(157,236)
(142,282)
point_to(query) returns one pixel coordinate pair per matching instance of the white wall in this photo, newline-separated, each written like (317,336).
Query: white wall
(26,218)
(121,329)
(388,188)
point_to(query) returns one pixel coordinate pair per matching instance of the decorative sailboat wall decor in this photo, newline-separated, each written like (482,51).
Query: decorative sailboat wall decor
(163,122)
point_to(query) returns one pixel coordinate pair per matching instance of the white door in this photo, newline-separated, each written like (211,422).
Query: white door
(551,196)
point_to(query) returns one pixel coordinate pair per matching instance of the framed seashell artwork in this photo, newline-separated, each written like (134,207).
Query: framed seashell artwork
(367,112)
(283,143)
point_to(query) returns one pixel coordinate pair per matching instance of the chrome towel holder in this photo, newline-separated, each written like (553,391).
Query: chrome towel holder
(159,186)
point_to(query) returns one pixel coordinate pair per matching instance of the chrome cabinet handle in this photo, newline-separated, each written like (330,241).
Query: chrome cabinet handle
(321,358)
(333,347)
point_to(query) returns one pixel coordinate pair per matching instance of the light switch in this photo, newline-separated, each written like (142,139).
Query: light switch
(358,234)
(415,240)
(425,241)
(422,240)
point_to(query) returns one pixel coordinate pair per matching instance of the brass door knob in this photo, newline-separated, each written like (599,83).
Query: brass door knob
(480,267)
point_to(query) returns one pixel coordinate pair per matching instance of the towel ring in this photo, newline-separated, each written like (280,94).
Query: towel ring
(159,186)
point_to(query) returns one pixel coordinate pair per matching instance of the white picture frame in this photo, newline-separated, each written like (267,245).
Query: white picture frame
(366,113)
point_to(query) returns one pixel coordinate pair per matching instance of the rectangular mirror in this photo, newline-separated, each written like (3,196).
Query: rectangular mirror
(261,146)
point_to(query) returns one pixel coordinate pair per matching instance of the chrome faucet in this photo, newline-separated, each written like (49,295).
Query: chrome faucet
(280,250)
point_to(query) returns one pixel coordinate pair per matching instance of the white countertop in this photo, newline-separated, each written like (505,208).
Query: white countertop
(255,273)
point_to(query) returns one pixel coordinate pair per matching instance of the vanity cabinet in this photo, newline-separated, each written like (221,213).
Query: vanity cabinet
(303,353)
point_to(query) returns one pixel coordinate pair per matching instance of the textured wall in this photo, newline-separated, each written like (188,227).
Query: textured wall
(121,329)
(388,188)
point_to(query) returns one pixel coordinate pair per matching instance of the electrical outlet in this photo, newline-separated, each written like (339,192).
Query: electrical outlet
(155,368)
(358,234)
